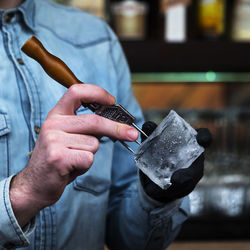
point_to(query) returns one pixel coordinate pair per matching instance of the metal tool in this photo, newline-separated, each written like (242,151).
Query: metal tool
(61,73)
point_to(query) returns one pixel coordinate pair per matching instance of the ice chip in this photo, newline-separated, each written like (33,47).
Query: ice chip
(170,147)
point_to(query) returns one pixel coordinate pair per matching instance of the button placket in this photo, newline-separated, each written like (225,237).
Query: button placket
(29,82)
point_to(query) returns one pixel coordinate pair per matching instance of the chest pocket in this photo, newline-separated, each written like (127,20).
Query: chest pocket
(4,131)
(98,178)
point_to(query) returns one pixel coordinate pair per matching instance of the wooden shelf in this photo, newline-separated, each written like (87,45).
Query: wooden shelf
(192,56)
(207,245)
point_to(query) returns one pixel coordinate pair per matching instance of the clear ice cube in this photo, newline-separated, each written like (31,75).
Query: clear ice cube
(170,147)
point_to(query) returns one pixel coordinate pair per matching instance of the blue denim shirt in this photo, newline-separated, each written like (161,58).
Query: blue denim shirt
(107,204)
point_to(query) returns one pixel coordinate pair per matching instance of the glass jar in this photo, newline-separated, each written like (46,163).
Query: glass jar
(95,7)
(241,21)
(129,19)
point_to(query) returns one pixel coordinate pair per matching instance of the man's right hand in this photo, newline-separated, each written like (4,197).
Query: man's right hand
(64,150)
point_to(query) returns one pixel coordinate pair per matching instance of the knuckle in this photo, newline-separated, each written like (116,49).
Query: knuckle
(88,159)
(95,88)
(50,138)
(53,156)
(50,124)
(84,161)
(95,144)
(96,121)
(74,90)
(119,129)
(47,125)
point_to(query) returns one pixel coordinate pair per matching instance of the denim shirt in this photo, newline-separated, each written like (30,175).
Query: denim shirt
(107,204)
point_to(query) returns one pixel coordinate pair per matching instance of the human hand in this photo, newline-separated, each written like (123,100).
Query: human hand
(183,180)
(64,150)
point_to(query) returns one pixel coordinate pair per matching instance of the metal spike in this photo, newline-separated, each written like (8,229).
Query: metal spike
(141,131)
(138,142)
(127,147)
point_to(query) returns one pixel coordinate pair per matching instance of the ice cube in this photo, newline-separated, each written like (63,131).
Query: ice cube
(170,147)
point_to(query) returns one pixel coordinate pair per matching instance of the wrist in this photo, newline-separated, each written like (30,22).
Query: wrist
(25,205)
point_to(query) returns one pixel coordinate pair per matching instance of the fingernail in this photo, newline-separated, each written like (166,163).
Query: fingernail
(132,134)
(112,99)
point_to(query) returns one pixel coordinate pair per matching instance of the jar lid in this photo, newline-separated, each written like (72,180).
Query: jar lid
(129,7)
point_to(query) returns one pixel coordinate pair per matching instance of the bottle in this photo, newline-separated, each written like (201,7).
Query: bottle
(175,24)
(95,7)
(241,21)
(155,20)
(129,19)
(175,13)
(211,18)
(64,2)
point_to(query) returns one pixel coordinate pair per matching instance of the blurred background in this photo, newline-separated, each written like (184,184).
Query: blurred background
(194,57)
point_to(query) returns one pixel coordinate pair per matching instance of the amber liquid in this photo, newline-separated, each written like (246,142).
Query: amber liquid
(211,18)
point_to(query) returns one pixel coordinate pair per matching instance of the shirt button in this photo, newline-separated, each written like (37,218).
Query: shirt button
(37,130)
(8,17)
(20,61)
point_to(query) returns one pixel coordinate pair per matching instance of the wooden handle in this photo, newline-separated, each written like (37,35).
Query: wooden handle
(52,65)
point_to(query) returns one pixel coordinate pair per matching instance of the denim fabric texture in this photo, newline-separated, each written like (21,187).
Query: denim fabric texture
(107,204)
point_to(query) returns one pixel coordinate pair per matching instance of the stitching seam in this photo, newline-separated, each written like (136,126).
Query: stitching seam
(8,212)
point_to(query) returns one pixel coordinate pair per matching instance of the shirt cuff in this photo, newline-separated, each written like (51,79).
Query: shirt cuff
(177,210)
(11,234)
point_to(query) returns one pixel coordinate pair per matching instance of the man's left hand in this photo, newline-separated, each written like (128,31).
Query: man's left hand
(183,180)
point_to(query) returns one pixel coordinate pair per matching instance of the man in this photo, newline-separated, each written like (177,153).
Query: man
(75,191)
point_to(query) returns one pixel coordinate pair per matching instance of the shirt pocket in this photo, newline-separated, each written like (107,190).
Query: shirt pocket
(4,131)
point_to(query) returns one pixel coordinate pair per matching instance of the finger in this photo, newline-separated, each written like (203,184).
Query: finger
(77,141)
(92,125)
(204,137)
(191,174)
(75,160)
(78,94)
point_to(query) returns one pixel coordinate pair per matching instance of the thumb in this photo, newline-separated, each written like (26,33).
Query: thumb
(78,94)
(204,137)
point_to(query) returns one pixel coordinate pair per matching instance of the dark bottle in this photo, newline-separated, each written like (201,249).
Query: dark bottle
(155,22)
